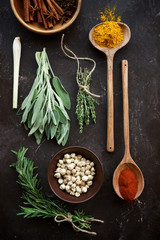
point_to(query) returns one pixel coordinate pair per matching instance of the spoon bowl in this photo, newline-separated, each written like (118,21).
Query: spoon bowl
(132,166)
(126,37)
(110,52)
(127,161)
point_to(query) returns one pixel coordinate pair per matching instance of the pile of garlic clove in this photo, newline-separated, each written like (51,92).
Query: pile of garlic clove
(75,174)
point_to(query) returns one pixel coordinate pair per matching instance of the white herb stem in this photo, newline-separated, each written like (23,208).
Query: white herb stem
(16,59)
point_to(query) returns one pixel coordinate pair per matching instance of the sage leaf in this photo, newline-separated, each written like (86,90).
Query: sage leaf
(38,137)
(64,129)
(37,123)
(61,92)
(37,106)
(66,136)
(62,117)
(53,130)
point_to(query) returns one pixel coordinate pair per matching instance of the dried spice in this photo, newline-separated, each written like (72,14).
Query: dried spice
(109,33)
(49,12)
(128,184)
(109,14)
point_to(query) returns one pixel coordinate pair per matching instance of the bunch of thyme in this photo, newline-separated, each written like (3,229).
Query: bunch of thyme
(85,99)
(85,102)
(37,205)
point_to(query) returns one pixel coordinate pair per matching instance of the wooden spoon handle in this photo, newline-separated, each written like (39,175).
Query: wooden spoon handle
(125,105)
(110,105)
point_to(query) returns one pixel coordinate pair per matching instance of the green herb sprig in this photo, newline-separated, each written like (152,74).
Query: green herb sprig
(85,102)
(43,110)
(37,205)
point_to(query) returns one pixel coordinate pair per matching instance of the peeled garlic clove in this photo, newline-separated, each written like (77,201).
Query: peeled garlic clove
(71,166)
(60,180)
(85,178)
(87,172)
(62,187)
(84,189)
(62,171)
(73,155)
(90,177)
(68,161)
(67,156)
(77,194)
(57,175)
(89,183)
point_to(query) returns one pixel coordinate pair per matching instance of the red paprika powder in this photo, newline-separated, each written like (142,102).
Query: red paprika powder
(128,184)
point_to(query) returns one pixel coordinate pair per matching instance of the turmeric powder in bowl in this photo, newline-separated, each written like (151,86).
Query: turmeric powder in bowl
(108,34)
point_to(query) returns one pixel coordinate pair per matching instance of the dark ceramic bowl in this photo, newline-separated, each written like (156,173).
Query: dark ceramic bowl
(17,7)
(97,181)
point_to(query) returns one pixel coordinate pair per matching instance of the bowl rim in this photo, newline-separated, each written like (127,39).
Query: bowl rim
(51,31)
(99,186)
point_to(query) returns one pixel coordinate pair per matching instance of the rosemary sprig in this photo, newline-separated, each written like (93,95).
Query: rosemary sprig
(85,102)
(43,110)
(36,204)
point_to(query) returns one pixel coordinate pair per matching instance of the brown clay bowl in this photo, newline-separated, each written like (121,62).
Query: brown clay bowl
(97,181)
(17,7)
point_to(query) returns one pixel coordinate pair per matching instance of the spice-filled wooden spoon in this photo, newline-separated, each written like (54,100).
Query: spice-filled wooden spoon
(110,52)
(127,161)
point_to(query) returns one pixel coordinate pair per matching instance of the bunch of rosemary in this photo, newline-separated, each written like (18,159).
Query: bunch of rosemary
(85,102)
(43,110)
(37,205)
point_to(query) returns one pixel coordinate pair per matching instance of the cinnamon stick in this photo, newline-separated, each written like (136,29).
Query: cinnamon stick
(58,8)
(42,15)
(36,9)
(26,4)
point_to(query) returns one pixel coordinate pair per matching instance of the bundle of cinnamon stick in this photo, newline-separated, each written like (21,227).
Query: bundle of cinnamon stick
(47,12)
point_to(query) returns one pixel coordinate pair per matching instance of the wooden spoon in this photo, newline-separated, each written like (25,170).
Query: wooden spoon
(110,52)
(127,161)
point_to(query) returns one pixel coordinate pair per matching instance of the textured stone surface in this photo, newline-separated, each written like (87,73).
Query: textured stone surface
(136,221)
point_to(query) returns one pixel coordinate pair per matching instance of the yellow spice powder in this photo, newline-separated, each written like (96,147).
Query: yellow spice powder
(109,14)
(108,34)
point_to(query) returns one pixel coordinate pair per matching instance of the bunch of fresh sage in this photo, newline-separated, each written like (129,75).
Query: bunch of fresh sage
(43,110)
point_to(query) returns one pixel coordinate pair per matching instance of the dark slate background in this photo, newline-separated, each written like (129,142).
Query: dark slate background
(139,220)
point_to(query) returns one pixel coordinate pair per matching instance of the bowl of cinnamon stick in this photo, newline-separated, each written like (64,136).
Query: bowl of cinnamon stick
(46,16)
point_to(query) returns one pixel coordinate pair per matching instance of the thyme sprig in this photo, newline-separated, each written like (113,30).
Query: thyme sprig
(37,205)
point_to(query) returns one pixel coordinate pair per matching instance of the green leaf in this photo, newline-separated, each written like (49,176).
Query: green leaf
(47,131)
(38,137)
(61,92)
(53,130)
(28,99)
(63,131)
(25,114)
(42,126)
(64,141)
(57,117)
(62,117)
(37,123)
(20,111)
(37,106)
